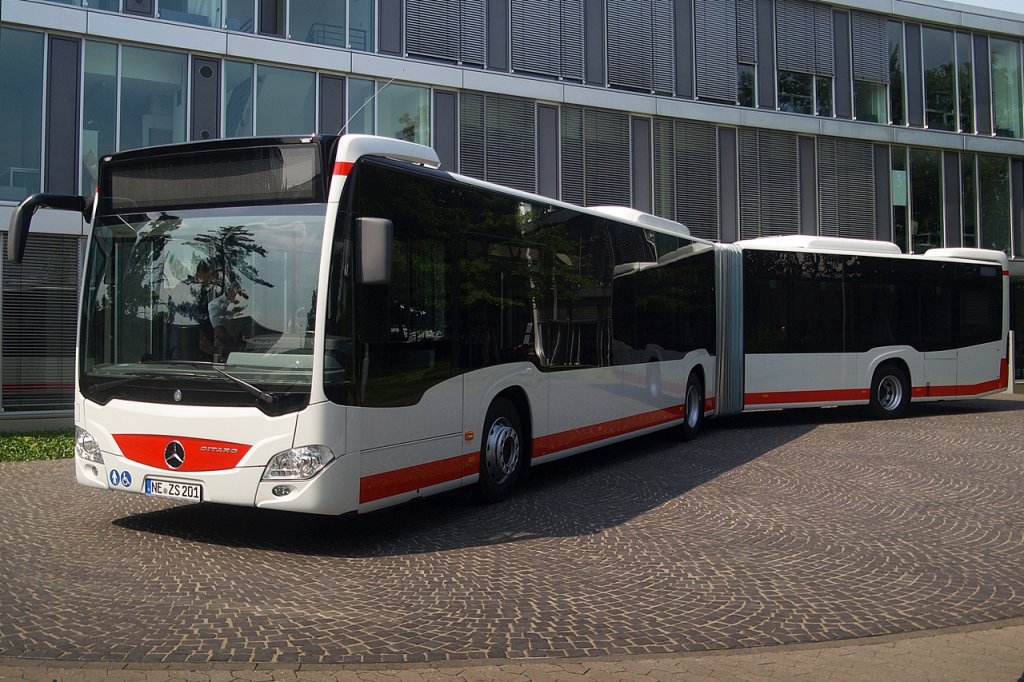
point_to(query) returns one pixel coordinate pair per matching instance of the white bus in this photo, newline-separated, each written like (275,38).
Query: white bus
(333,325)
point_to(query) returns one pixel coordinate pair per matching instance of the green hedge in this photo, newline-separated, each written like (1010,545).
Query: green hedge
(24,447)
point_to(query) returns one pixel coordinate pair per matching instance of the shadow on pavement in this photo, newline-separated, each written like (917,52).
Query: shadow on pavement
(576,496)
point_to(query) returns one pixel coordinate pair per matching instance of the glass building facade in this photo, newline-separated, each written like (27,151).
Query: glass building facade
(739,118)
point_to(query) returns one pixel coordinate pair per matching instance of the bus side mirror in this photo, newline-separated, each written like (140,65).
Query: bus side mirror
(22,218)
(373,250)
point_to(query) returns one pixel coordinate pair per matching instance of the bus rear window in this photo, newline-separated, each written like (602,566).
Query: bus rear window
(272,174)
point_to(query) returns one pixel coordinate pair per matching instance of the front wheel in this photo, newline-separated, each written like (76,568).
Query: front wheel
(890,392)
(693,408)
(503,452)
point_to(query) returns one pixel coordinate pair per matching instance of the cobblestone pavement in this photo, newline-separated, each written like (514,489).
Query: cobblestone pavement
(771,529)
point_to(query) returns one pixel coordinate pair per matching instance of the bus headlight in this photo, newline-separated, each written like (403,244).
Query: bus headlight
(86,446)
(298,464)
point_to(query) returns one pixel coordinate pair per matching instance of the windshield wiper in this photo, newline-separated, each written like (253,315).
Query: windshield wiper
(261,395)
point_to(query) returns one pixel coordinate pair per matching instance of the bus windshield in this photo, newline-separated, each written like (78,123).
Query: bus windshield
(211,306)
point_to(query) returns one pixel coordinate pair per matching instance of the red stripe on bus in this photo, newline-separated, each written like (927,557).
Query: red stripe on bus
(409,479)
(200,454)
(825,396)
(859,394)
(556,442)
(391,483)
(342,167)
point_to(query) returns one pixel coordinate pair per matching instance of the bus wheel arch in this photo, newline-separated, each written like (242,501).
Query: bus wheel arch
(693,404)
(890,390)
(505,445)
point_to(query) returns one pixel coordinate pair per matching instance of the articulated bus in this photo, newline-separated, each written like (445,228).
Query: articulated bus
(332,325)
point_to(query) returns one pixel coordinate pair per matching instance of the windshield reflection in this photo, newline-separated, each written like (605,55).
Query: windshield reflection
(168,296)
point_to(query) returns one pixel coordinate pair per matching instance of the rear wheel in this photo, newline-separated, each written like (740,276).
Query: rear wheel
(693,408)
(502,453)
(890,392)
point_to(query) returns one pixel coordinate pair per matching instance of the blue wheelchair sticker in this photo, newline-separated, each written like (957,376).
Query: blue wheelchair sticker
(115,477)
(126,479)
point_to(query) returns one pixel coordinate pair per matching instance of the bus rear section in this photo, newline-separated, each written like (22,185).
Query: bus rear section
(833,322)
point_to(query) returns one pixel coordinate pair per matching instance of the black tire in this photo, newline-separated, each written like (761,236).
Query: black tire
(503,451)
(890,392)
(693,408)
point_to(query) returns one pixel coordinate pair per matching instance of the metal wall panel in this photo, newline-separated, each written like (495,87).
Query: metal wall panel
(728,189)
(594,42)
(643,191)
(62,102)
(389,24)
(498,27)
(446,133)
(766,81)
(205,99)
(1017,206)
(684,46)
(779,175)
(547,150)
(982,85)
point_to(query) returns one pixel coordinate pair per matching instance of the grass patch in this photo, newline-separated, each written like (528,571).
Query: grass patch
(36,445)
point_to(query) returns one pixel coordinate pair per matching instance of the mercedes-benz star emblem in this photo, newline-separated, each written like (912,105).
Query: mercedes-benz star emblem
(177,395)
(174,454)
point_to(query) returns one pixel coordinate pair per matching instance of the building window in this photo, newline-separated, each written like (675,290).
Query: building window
(870,101)
(994,195)
(238,109)
(823,95)
(315,21)
(1006,96)
(239,15)
(39,303)
(939,83)
(925,199)
(900,199)
(746,85)
(896,70)
(108,5)
(153,99)
(99,109)
(796,92)
(361,27)
(361,112)
(198,12)
(965,80)
(285,101)
(969,199)
(403,112)
(21,116)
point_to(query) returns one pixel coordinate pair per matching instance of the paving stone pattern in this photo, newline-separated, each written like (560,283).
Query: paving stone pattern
(772,528)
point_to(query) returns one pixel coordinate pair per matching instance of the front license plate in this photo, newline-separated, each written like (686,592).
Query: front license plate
(174,489)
